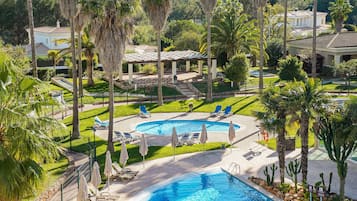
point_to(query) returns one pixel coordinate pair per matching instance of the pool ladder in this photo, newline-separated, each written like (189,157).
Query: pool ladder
(234,168)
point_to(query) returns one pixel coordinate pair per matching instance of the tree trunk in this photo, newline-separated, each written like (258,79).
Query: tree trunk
(33,42)
(110,146)
(80,69)
(313,67)
(281,146)
(261,47)
(75,121)
(209,62)
(285,27)
(338,25)
(304,134)
(90,81)
(159,81)
(54,65)
(281,156)
(342,173)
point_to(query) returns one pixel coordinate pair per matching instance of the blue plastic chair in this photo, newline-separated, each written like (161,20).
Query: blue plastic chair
(217,110)
(144,112)
(227,111)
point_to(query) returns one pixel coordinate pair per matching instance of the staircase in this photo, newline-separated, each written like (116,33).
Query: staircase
(187,89)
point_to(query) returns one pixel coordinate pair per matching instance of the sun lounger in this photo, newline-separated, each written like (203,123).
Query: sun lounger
(216,111)
(227,111)
(99,123)
(130,136)
(195,137)
(184,139)
(144,112)
(123,137)
(123,174)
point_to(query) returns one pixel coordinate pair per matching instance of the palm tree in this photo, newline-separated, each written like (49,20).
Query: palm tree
(313,60)
(88,48)
(207,7)
(32,41)
(261,44)
(339,11)
(309,101)
(24,131)
(54,55)
(234,35)
(110,27)
(158,11)
(80,21)
(276,104)
(285,26)
(69,10)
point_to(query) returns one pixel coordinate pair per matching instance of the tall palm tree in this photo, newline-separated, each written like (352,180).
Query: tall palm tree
(25,131)
(158,11)
(80,21)
(110,27)
(276,103)
(69,10)
(339,11)
(261,44)
(207,7)
(285,26)
(32,41)
(54,55)
(314,24)
(309,102)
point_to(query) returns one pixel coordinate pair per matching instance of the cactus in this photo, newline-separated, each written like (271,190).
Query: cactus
(293,169)
(329,183)
(322,180)
(270,179)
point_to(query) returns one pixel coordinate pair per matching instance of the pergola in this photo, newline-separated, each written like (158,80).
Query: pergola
(173,57)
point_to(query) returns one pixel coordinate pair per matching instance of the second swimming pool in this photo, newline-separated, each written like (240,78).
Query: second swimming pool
(164,127)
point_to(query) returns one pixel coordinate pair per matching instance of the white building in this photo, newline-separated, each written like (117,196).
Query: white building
(48,36)
(304,19)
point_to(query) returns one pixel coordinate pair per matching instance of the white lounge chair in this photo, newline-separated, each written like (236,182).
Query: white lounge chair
(143,112)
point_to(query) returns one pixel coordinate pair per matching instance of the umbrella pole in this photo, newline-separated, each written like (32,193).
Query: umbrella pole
(174,153)
(143,161)
(108,184)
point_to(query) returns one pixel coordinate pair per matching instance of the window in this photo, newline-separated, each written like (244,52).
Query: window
(47,41)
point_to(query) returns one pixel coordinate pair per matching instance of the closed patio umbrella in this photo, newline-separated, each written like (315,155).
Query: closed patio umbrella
(96,179)
(143,147)
(174,139)
(203,137)
(123,155)
(231,133)
(83,189)
(108,167)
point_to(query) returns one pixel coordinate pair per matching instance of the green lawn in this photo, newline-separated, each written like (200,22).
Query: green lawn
(240,105)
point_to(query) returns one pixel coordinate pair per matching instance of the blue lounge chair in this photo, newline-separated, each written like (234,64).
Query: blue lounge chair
(99,123)
(217,110)
(227,111)
(144,112)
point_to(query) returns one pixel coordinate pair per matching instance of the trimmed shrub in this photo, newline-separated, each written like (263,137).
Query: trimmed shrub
(291,69)
(149,69)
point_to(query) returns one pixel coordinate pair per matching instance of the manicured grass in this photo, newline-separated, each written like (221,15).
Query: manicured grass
(240,105)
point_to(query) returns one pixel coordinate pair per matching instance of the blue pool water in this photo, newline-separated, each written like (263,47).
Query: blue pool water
(218,186)
(182,126)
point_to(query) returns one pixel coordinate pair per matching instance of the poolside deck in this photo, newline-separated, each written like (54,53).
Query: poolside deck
(160,170)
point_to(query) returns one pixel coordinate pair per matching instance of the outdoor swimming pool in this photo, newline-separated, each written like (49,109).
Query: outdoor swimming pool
(182,126)
(216,186)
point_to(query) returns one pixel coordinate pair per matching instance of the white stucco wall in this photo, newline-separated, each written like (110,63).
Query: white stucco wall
(49,39)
